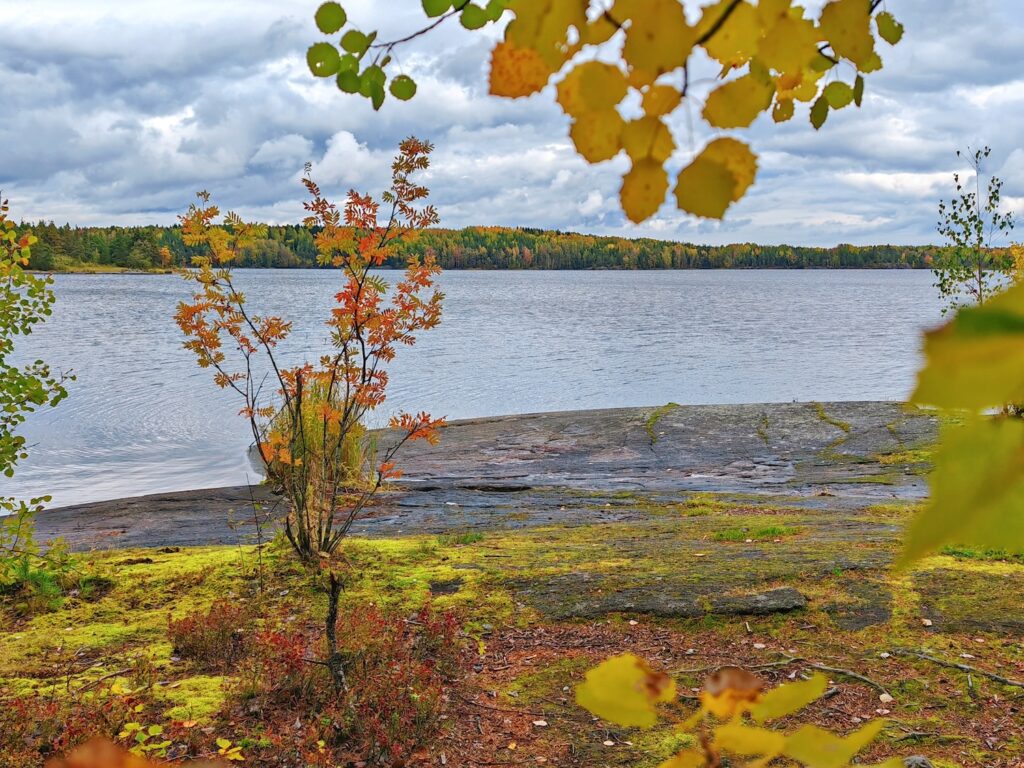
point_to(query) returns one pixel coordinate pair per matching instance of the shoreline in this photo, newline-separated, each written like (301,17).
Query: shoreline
(570,467)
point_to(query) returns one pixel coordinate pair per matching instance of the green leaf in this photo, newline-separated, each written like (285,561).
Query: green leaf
(348,81)
(819,112)
(223,743)
(473,17)
(348,62)
(977,490)
(434,8)
(495,8)
(355,42)
(376,95)
(789,698)
(403,88)
(323,59)
(330,17)
(889,29)
(858,90)
(838,94)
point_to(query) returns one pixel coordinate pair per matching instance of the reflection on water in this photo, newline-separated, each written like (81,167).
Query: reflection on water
(142,418)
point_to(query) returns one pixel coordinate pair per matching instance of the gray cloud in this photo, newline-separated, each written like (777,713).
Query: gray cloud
(118,112)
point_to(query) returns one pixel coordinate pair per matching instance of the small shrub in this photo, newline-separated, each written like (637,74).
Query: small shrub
(216,639)
(759,534)
(459,539)
(34,728)
(396,670)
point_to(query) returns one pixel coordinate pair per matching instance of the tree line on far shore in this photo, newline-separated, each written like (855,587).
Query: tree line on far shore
(66,248)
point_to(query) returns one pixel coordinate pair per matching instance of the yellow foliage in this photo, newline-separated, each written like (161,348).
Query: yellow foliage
(771,52)
(737,39)
(817,747)
(647,137)
(517,72)
(598,135)
(717,177)
(846,24)
(624,690)
(738,103)
(643,189)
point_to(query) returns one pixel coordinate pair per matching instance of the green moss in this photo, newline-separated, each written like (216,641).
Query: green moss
(655,416)
(198,698)
(548,681)
(823,415)
(969,553)
(459,539)
(909,456)
(756,534)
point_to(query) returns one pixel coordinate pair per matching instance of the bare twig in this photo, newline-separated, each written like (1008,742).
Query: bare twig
(962,667)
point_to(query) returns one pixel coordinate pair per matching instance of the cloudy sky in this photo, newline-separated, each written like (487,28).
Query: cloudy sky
(116,112)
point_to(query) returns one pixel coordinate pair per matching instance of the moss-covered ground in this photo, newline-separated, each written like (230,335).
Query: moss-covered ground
(541,605)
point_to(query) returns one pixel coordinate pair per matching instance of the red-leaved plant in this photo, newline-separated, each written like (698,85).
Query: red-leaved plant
(310,431)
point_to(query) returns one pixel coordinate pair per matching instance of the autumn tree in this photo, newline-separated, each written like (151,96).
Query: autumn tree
(26,300)
(309,426)
(621,70)
(971,223)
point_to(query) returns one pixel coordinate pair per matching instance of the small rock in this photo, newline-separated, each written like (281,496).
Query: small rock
(540,723)
(926,622)
(882,711)
(633,622)
(690,651)
(885,698)
(609,743)
(760,646)
(884,655)
(917,761)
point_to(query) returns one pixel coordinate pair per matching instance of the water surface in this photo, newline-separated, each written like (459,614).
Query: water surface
(143,418)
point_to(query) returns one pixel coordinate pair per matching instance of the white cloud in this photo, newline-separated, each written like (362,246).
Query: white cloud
(117,112)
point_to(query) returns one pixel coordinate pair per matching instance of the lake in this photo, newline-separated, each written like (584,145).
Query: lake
(143,418)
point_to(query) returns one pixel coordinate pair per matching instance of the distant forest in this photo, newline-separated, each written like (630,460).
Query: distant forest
(69,248)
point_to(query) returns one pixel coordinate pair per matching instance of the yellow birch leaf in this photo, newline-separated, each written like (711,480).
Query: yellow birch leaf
(517,72)
(643,189)
(808,88)
(783,110)
(771,11)
(816,747)
(658,38)
(661,99)
(591,86)
(976,360)
(738,159)
(598,31)
(647,137)
(736,40)
(977,490)
(737,103)
(705,188)
(790,45)
(846,25)
(748,741)
(598,135)
(688,758)
(624,690)
(789,698)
